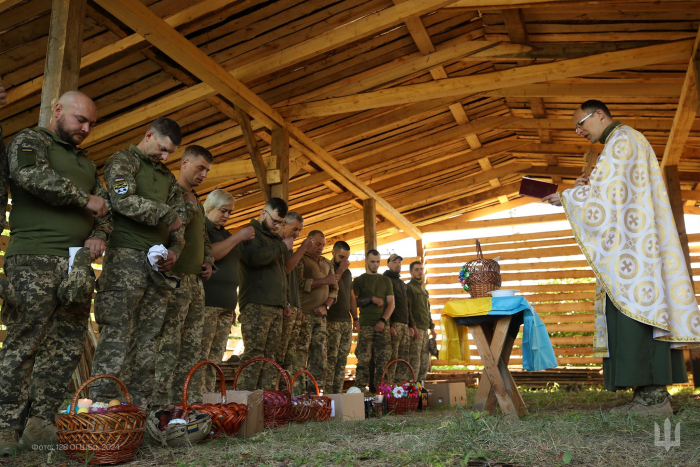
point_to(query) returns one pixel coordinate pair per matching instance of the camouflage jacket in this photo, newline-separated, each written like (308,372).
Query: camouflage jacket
(124,165)
(39,179)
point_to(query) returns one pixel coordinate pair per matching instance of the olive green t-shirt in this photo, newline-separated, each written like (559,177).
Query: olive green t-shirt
(192,257)
(340,310)
(221,290)
(372,285)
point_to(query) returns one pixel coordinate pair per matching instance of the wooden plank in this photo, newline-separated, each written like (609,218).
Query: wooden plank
(370,224)
(254,151)
(62,67)
(7,4)
(280,149)
(458,224)
(159,33)
(455,87)
(685,113)
(437,248)
(581,90)
(517,31)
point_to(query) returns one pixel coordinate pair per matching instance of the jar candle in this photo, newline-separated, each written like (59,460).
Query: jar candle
(84,403)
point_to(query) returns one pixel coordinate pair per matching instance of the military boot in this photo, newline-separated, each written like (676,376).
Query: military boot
(38,431)
(8,442)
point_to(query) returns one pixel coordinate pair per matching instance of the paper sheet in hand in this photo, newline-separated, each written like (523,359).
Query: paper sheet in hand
(537,188)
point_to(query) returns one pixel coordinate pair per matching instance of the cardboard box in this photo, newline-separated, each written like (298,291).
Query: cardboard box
(446,394)
(347,406)
(255,421)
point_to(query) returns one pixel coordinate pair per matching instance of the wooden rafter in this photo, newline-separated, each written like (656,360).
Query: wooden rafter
(254,150)
(686,112)
(456,87)
(163,36)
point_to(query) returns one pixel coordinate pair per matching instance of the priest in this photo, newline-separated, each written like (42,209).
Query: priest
(646,311)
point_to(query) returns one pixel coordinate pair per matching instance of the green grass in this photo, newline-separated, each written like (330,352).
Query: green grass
(561,424)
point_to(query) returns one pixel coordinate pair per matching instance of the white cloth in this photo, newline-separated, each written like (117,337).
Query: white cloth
(155,254)
(71,256)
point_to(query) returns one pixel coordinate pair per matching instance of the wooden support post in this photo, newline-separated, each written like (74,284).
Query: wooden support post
(419,250)
(280,148)
(63,52)
(254,150)
(673,187)
(369,208)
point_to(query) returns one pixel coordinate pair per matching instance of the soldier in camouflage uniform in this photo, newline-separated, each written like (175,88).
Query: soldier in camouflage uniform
(420,311)
(263,294)
(179,343)
(58,202)
(376,306)
(221,290)
(130,306)
(341,321)
(401,322)
(319,289)
(292,227)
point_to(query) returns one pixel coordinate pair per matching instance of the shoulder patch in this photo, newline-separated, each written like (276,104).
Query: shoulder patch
(121,186)
(26,147)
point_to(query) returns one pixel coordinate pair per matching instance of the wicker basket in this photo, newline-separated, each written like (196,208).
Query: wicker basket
(484,275)
(400,405)
(277,404)
(180,435)
(226,418)
(109,438)
(309,407)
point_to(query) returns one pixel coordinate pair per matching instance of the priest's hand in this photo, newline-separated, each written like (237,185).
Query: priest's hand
(582,180)
(552,199)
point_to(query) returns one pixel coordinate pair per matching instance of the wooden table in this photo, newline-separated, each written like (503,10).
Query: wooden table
(496,383)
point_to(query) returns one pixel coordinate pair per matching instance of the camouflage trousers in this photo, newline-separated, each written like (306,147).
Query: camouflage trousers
(215,334)
(290,333)
(44,341)
(129,309)
(179,343)
(419,355)
(339,344)
(261,328)
(368,340)
(312,352)
(400,348)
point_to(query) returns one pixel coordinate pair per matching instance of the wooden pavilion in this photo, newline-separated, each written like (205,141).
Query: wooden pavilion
(378,119)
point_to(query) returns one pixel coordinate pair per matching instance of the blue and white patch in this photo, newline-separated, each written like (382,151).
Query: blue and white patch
(121,186)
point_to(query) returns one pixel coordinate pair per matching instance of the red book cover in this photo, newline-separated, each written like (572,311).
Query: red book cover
(537,188)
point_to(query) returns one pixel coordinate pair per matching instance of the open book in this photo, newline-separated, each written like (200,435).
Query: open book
(537,188)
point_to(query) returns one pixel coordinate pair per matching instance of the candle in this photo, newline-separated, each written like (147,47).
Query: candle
(86,403)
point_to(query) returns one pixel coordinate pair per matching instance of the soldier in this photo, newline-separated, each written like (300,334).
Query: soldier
(401,321)
(341,321)
(376,305)
(179,343)
(58,202)
(221,290)
(420,310)
(293,317)
(263,294)
(319,289)
(130,305)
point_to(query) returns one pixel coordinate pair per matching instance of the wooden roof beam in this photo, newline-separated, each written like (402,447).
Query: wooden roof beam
(531,74)
(137,16)
(686,112)
(254,150)
(418,32)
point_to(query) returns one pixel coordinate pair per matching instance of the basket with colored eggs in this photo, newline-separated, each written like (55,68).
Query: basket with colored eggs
(104,433)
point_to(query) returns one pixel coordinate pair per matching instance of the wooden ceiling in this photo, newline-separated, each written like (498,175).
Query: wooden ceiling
(436,108)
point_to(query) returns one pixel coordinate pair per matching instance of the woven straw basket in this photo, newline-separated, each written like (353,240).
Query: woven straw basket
(484,275)
(109,438)
(309,407)
(402,404)
(277,404)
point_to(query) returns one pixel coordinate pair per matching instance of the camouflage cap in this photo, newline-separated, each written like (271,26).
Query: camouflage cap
(77,288)
(165,280)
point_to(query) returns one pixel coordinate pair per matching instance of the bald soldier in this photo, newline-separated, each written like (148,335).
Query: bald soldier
(58,202)
(131,298)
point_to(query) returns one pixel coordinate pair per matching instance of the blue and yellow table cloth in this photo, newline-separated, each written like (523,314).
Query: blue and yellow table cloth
(537,350)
